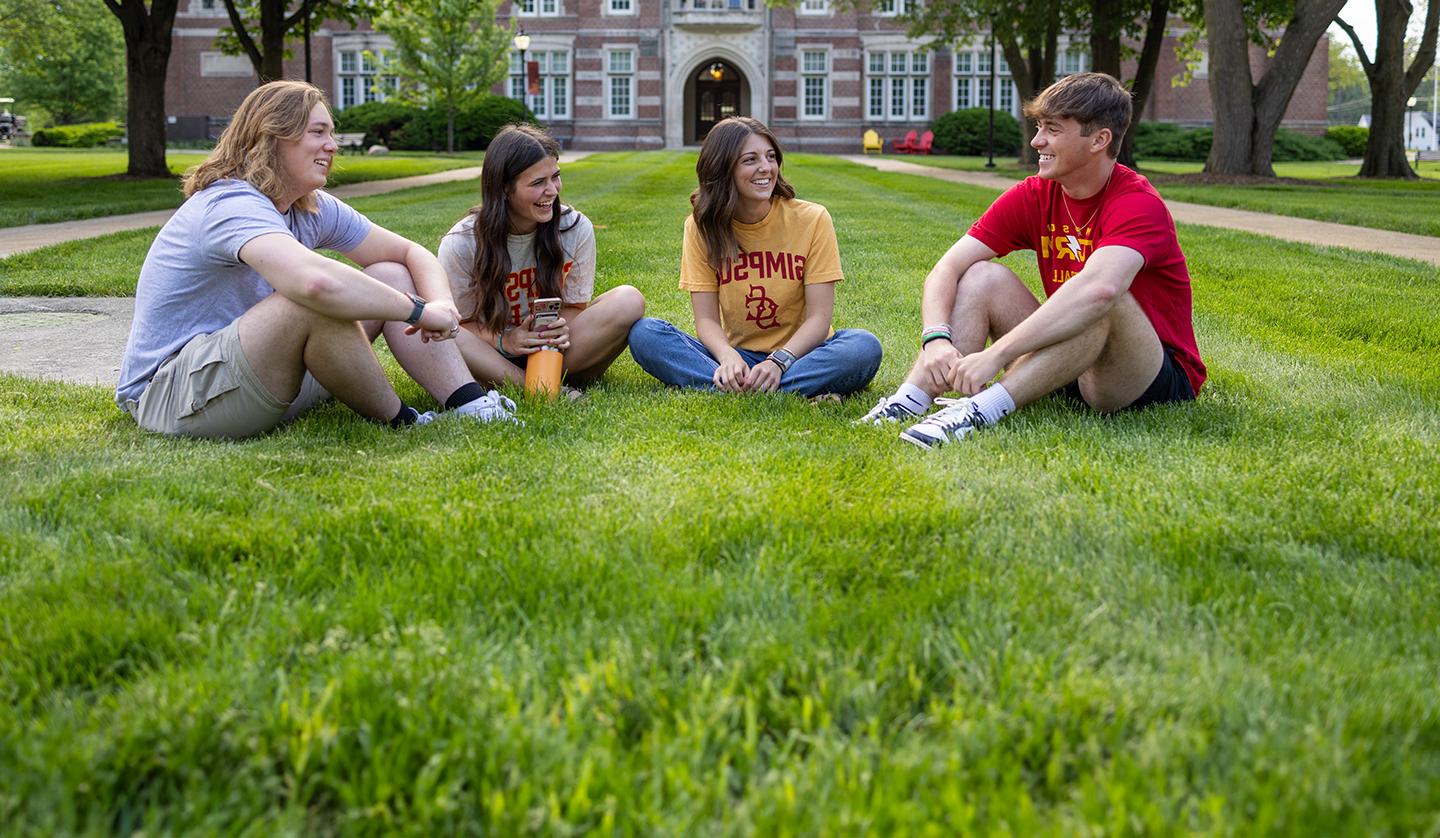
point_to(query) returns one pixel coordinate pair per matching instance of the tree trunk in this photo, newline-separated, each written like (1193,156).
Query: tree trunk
(1105,29)
(450,129)
(1032,70)
(1391,84)
(1248,114)
(147,54)
(1145,74)
(272,40)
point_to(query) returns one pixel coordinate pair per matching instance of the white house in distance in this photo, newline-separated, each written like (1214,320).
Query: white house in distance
(1419,130)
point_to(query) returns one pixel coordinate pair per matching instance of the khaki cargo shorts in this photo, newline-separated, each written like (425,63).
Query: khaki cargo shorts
(209,390)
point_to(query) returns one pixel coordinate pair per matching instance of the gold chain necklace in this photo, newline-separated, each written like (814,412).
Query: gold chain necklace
(1065,202)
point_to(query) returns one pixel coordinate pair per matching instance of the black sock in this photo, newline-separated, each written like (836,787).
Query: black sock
(465,395)
(407,416)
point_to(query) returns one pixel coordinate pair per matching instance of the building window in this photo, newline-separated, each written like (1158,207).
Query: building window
(814,69)
(972,82)
(363,78)
(620,84)
(1075,61)
(553,100)
(898,86)
(537,8)
(621,7)
(889,8)
(814,7)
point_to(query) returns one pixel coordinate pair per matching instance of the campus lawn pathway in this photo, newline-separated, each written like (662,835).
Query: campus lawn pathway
(81,339)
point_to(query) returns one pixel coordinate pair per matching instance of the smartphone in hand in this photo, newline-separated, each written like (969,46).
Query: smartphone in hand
(545,309)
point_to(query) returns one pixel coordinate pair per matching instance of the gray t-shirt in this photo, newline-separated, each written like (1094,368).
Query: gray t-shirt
(193,282)
(577,239)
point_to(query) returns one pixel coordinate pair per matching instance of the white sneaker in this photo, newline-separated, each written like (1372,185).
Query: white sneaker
(425,418)
(888,409)
(491,407)
(957,420)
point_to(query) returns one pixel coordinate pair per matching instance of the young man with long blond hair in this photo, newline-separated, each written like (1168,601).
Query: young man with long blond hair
(1115,329)
(241,325)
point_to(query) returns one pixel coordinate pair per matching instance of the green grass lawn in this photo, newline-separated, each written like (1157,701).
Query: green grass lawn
(663,612)
(43,185)
(1334,193)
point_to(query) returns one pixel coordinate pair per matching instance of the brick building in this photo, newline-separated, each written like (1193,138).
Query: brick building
(641,74)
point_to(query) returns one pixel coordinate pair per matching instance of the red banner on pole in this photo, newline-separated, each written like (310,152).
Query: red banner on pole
(532,77)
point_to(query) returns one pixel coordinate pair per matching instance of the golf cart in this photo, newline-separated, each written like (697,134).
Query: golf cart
(10,124)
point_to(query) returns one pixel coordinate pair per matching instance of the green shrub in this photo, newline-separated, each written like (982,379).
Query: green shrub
(379,120)
(967,132)
(1352,138)
(1166,141)
(84,135)
(475,125)
(1290,146)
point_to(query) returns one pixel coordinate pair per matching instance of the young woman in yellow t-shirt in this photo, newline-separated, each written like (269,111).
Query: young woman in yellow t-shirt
(761,267)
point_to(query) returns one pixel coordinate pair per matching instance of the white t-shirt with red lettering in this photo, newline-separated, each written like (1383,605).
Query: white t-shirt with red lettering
(577,239)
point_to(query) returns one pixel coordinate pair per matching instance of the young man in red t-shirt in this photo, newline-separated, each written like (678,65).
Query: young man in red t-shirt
(1115,328)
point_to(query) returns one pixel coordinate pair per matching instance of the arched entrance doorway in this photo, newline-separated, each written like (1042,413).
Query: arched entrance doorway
(716,90)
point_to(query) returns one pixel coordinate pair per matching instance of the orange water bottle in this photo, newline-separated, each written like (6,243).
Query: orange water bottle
(544,368)
(542,372)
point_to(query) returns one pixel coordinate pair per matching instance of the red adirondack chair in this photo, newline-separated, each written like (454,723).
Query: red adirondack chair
(906,145)
(927,140)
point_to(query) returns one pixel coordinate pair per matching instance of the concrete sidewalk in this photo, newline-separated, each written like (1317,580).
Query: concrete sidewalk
(81,339)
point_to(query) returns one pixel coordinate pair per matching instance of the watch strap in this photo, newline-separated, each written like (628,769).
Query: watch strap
(419,309)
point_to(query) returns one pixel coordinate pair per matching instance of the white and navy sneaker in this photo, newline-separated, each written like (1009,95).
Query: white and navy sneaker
(957,420)
(888,409)
(491,407)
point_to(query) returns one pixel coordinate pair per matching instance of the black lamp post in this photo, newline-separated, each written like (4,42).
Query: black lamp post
(522,43)
(990,141)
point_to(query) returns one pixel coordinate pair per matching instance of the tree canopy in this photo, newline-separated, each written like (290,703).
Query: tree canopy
(66,57)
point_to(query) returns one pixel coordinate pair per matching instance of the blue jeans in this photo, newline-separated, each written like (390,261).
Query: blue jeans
(843,364)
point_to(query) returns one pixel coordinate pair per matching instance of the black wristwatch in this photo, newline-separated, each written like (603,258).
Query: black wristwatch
(783,359)
(419,302)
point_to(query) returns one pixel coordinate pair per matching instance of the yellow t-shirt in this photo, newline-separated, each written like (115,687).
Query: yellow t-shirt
(762,293)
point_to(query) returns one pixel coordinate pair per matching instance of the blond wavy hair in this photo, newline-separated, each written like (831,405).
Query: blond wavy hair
(249,148)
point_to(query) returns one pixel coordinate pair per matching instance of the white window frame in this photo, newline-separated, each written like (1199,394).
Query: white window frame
(888,8)
(624,77)
(622,8)
(537,8)
(813,7)
(553,101)
(903,92)
(367,79)
(975,79)
(809,75)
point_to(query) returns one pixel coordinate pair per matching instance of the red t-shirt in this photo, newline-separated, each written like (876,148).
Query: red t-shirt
(1035,215)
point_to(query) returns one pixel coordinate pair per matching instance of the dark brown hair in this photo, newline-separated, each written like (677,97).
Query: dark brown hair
(713,201)
(515,148)
(1095,100)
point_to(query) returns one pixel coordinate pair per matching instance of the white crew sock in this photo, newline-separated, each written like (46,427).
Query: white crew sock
(994,403)
(917,400)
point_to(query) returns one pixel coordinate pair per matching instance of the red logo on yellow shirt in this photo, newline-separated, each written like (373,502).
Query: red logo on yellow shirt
(760,308)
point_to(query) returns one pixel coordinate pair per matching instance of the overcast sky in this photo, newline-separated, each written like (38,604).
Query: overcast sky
(1361,15)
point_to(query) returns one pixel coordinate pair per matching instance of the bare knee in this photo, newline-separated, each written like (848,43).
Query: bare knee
(623,305)
(393,274)
(984,279)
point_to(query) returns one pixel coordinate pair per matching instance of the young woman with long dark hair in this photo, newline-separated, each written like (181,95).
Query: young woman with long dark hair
(761,267)
(521,244)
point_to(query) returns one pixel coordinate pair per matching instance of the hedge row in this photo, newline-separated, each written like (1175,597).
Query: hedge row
(84,135)
(1352,138)
(419,129)
(1164,141)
